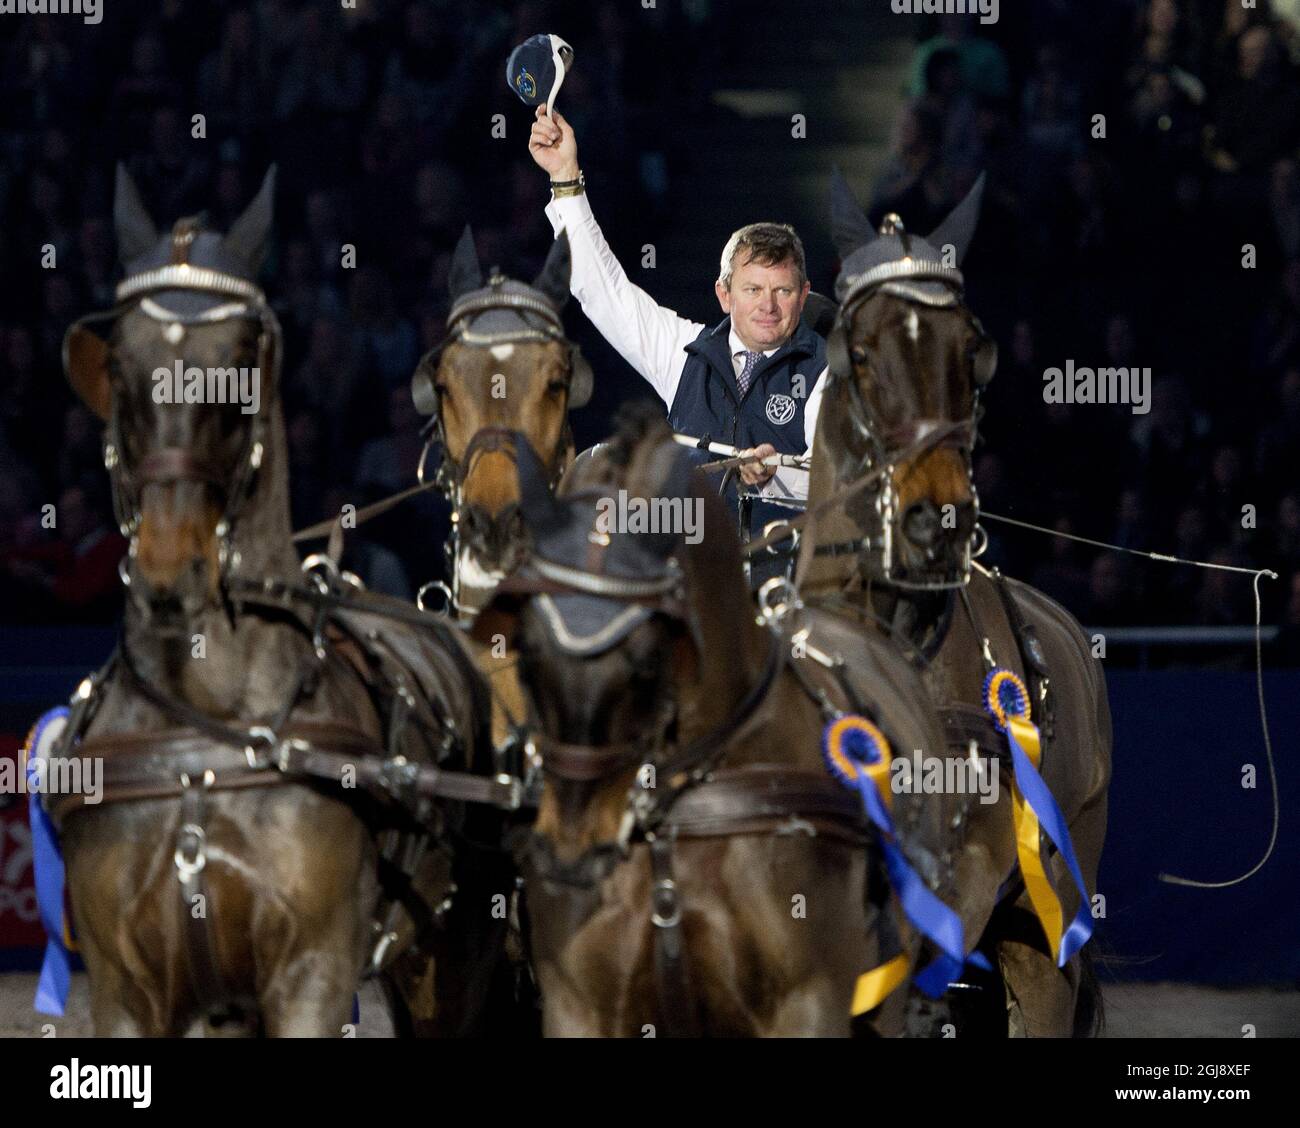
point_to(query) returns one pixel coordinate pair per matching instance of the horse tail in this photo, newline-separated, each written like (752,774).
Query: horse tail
(1089,1007)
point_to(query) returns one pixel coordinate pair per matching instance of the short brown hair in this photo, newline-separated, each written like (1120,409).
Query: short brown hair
(769,244)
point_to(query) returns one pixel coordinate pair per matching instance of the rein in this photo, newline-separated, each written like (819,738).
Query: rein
(851,489)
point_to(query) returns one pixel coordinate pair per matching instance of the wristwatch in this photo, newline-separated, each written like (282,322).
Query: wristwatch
(562,188)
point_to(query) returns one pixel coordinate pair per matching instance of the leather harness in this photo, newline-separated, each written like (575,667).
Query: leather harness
(696,796)
(198,754)
(967,727)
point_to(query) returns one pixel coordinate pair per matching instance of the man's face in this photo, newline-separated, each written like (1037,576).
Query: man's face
(765,302)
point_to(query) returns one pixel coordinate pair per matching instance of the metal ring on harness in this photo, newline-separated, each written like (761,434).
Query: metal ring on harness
(187,868)
(665,891)
(320,560)
(189,862)
(793,538)
(262,735)
(437,585)
(772,607)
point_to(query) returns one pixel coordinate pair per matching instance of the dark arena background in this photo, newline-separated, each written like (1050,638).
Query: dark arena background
(1141,211)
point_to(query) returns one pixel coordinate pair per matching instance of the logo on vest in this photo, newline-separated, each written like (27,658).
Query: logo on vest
(780,409)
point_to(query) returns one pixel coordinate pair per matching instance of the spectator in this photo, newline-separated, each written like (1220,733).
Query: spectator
(983,64)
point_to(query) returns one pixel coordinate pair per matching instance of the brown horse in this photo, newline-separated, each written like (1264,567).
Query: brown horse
(907,358)
(505,367)
(694,868)
(232,869)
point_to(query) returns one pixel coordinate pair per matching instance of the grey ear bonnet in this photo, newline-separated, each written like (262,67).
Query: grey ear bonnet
(894,261)
(504,311)
(927,267)
(587,621)
(143,248)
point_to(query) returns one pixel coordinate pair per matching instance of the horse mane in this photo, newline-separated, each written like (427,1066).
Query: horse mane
(728,643)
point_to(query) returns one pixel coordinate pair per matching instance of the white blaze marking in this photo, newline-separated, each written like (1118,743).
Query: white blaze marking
(913,324)
(472,574)
(505,352)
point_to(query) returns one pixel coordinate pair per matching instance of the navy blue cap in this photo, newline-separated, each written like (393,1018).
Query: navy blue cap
(536,69)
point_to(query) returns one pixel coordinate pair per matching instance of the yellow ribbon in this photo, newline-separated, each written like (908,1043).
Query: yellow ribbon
(1047,905)
(875,985)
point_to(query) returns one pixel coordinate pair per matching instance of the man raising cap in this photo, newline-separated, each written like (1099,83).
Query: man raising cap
(748,381)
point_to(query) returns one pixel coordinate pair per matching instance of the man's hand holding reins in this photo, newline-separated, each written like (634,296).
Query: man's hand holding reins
(755,473)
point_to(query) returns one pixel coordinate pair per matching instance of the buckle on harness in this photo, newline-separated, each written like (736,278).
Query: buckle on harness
(258,735)
(191,855)
(666,907)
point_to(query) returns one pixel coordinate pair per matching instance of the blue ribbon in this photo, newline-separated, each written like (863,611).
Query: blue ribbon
(929,915)
(47,869)
(1039,797)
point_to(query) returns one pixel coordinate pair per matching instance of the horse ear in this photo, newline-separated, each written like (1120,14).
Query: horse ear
(554,278)
(247,238)
(672,469)
(819,313)
(465,273)
(536,502)
(850,227)
(136,233)
(959,228)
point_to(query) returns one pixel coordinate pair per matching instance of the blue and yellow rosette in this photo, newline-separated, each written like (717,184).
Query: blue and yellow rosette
(1034,809)
(858,755)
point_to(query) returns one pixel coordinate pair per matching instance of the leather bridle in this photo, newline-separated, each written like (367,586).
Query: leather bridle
(692,795)
(541,324)
(885,446)
(246,301)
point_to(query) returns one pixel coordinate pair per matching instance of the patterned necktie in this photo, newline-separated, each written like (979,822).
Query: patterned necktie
(747,371)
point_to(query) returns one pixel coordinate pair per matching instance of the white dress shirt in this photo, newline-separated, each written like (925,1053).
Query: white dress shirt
(651,337)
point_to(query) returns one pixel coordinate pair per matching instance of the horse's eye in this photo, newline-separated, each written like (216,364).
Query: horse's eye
(858,354)
(557,385)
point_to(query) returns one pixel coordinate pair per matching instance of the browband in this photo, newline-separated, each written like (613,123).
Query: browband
(915,270)
(183,276)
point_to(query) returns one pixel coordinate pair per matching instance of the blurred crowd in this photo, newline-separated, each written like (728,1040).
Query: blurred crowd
(1143,210)
(381,121)
(1133,151)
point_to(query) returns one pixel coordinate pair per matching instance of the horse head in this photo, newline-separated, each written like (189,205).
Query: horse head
(505,367)
(640,616)
(907,358)
(183,371)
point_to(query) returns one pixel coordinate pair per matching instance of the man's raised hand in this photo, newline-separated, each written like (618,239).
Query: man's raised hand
(553,145)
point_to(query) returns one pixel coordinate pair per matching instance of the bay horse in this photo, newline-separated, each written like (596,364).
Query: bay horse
(504,368)
(694,868)
(269,828)
(907,357)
